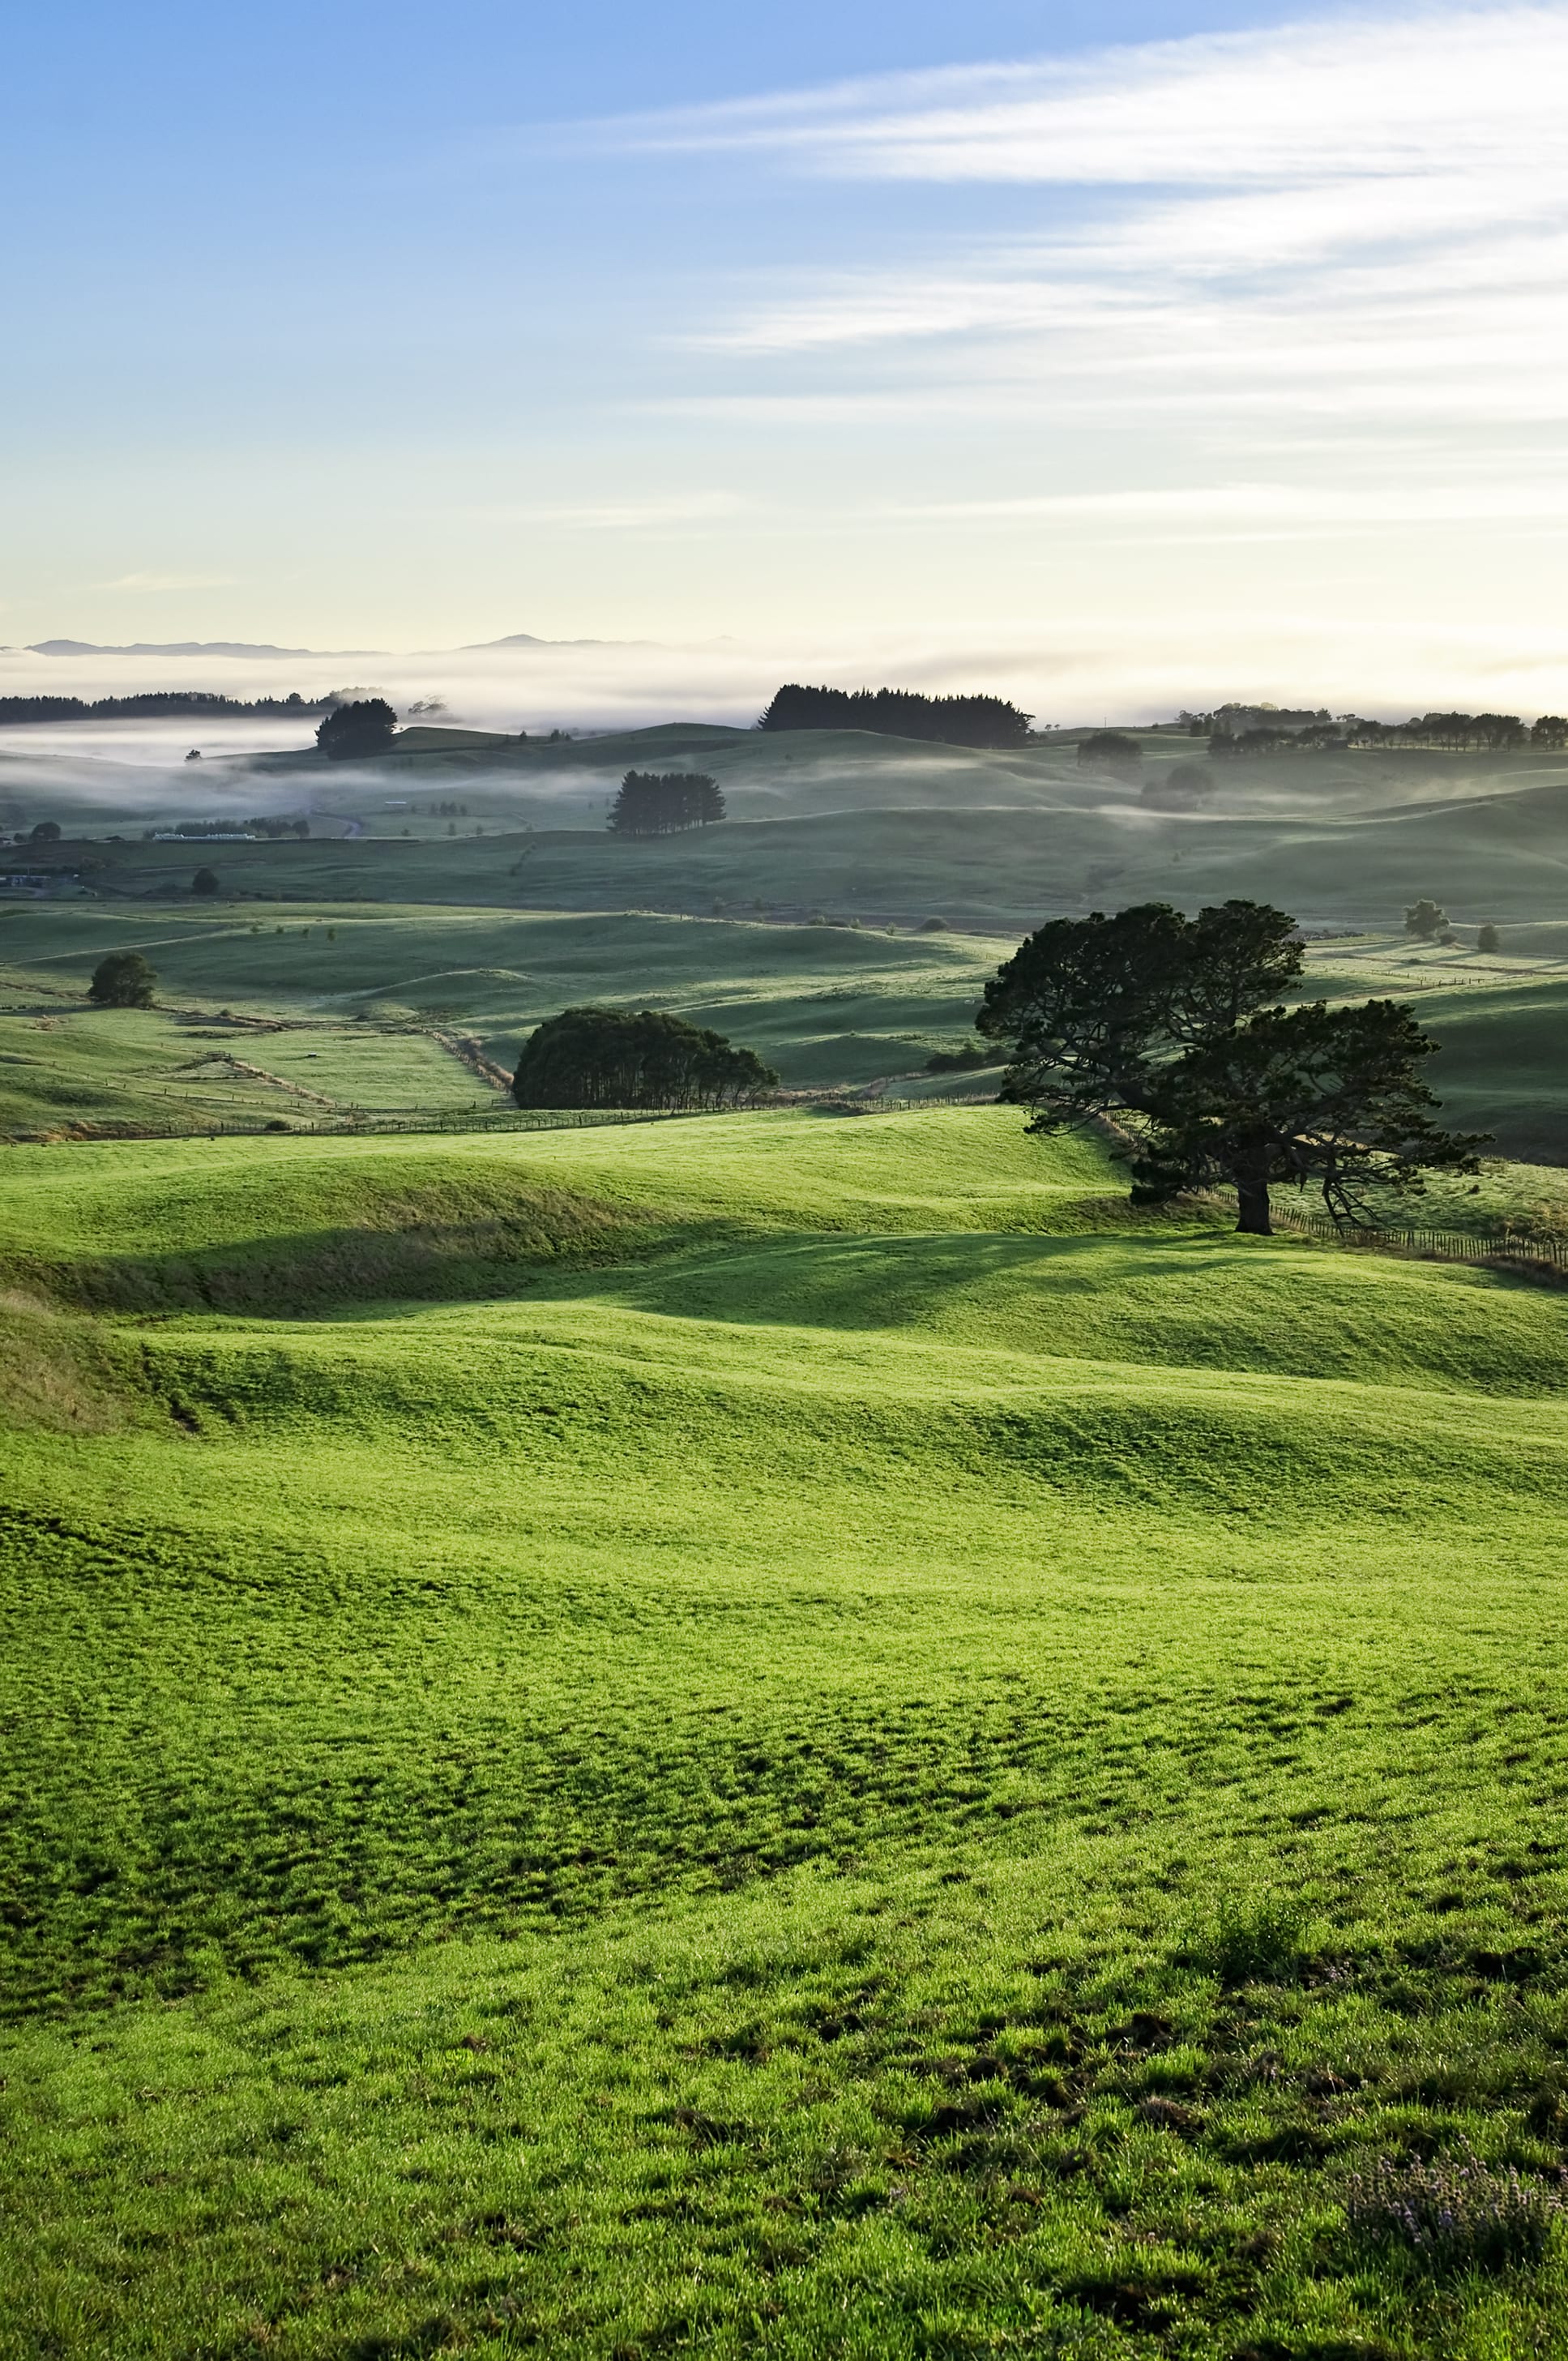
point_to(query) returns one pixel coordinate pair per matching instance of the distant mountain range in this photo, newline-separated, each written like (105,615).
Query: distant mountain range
(181,648)
(254,648)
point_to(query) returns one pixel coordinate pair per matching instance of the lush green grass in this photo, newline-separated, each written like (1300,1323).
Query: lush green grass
(854,1754)
(64,1065)
(824,1005)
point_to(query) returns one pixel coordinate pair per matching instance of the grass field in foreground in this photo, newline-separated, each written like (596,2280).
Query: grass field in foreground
(775,1736)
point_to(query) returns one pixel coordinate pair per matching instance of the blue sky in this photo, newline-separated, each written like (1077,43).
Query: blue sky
(1179,344)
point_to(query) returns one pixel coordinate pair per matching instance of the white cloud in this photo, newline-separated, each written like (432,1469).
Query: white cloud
(1426,91)
(1360,223)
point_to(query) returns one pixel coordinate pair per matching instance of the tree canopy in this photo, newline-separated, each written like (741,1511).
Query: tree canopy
(659,803)
(1111,748)
(1426,920)
(1173,1028)
(123,980)
(899,713)
(621,1058)
(1185,786)
(205,881)
(148,704)
(363,726)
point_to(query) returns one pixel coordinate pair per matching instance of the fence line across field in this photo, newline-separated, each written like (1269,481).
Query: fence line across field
(1449,1246)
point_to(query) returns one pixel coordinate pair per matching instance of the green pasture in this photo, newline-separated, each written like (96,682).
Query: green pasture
(842,823)
(824,1005)
(65,1064)
(781,1734)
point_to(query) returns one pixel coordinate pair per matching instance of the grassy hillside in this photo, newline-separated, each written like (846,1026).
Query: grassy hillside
(374,995)
(773,1735)
(846,823)
(377,994)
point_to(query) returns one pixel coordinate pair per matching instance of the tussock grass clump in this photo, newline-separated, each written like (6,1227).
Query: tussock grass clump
(1453,2214)
(1249,1941)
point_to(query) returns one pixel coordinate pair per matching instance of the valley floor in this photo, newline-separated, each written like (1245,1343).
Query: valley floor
(780,1735)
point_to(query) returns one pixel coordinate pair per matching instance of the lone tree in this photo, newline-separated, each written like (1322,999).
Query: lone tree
(1184,788)
(205,881)
(615,1057)
(44,831)
(123,980)
(364,726)
(658,803)
(1487,939)
(1426,920)
(1110,750)
(1172,1028)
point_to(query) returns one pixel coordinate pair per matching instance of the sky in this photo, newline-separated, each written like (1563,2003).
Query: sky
(1121,357)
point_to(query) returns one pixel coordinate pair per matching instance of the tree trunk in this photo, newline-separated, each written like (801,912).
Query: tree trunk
(1252,1199)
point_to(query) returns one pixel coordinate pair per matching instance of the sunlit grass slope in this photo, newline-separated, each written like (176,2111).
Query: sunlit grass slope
(823,1004)
(854,1752)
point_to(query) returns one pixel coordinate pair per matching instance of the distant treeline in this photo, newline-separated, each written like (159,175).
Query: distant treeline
(159,703)
(1453,733)
(646,1057)
(268,825)
(899,713)
(657,803)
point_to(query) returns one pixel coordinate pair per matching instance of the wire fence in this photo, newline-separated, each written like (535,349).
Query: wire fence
(1445,1245)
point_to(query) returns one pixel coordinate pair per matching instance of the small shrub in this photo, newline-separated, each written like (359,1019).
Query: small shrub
(934,927)
(1252,1941)
(1450,2214)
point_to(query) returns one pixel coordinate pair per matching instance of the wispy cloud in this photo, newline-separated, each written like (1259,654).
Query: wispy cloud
(1429,89)
(1358,225)
(152,581)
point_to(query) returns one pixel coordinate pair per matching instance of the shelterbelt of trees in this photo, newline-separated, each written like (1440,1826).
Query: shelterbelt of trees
(899,713)
(1454,733)
(156,704)
(660,803)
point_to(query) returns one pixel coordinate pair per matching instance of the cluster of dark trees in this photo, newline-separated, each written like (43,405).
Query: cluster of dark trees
(658,803)
(123,980)
(363,726)
(1175,1030)
(1428,921)
(899,713)
(1454,733)
(1109,749)
(643,1058)
(1237,717)
(1319,737)
(1184,788)
(155,704)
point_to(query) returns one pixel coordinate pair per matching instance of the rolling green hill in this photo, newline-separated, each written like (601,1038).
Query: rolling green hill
(849,824)
(777,1734)
(370,1000)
